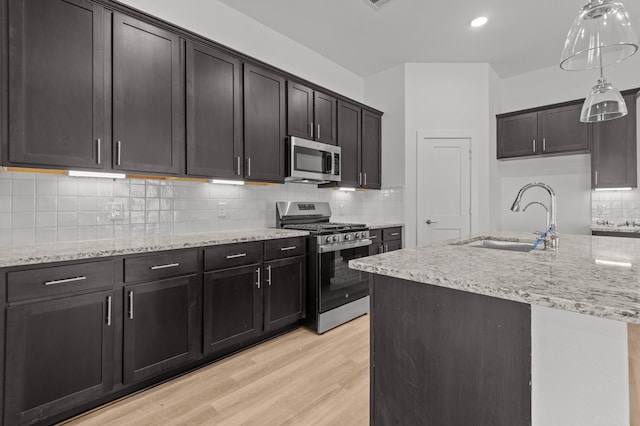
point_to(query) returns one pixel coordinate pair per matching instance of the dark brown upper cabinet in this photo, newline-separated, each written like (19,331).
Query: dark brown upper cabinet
(311,114)
(359,137)
(549,131)
(613,157)
(264,124)
(147,97)
(214,113)
(371,147)
(56,90)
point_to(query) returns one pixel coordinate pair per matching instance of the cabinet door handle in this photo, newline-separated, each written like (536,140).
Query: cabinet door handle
(168,265)
(318,135)
(66,280)
(131,305)
(393,234)
(311,129)
(544,144)
(108,310)
(386,248)
(288,248)
(365,179)
(99,148)
(534,145)
(235,256)
(269,275)
(118,151)
(360,178)
(238,172)
(596,177)
(249,166)
(380,248)
(258,281)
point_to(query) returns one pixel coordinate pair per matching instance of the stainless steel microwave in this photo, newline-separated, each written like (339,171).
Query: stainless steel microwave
(312,162)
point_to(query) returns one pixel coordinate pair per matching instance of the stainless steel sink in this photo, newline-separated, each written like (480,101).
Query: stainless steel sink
(501,245)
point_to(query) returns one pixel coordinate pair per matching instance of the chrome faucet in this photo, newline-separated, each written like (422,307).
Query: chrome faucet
(551,234)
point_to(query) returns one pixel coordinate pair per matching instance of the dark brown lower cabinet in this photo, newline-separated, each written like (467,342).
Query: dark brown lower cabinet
(232,307)
(284,294)
(385,239)
(160,327)
(450,358)
(59,354)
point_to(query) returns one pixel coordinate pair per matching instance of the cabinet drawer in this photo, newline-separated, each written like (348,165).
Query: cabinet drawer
(157,266)
(43,282)
(375,235)
(232,255)
(285,247)
(390,234)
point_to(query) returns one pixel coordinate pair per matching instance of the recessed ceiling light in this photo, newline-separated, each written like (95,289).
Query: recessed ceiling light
(479,21)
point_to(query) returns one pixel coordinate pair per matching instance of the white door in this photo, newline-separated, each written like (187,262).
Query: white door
(444,189)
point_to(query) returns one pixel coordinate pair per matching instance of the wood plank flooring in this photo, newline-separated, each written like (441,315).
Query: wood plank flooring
(633,331)
(300,378)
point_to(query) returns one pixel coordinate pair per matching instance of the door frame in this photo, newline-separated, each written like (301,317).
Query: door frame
(473,137)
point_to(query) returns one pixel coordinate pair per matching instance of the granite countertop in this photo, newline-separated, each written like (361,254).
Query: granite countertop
(384,225)
(75,250)
(598,276)
(616,228)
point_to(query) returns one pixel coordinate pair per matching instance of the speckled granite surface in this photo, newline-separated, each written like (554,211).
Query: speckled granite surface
(597,276)
(616,228)
(58,252)
(384,225)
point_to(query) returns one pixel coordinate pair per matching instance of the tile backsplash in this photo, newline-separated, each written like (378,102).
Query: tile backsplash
(616,207)
(38,207)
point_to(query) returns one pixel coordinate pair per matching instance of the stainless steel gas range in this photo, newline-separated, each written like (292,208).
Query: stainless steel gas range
(335,293)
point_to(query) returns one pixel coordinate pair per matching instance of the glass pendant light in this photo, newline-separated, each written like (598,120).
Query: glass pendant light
(603,103)
(601,35)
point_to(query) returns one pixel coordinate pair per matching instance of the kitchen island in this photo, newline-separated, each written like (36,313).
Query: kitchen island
(505,338)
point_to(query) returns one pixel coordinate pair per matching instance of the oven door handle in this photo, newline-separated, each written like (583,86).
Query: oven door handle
(327,248)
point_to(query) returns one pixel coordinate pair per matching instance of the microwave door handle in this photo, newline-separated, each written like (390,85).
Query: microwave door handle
(333,163)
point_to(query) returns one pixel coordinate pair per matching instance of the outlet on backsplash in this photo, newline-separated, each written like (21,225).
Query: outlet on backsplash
(117,210)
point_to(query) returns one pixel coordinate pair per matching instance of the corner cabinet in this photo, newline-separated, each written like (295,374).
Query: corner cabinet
(56,92)
(359,136)
(613,160)
(214,113)
(310,114)
(147,97)
(264,124)
(550,131)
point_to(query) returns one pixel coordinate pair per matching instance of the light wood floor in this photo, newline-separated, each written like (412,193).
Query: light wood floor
(300,378)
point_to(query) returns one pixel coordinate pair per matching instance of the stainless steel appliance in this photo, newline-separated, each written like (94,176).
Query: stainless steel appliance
(312,162)
(335,293)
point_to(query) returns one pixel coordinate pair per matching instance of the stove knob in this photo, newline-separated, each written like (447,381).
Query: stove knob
(328,239)
(347,237)
(335,238)
(356,235)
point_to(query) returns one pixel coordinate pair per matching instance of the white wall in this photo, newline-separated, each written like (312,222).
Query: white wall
(579,370)
(448,98)
(386,92)
(570,176)
(225,25)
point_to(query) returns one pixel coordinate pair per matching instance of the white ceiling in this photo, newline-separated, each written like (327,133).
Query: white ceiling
(521,36)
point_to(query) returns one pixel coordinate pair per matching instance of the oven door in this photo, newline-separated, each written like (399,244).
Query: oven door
(338,284)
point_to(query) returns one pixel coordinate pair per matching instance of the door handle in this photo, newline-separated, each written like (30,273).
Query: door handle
(318,135)
(258,281)
(109,311)
(99,149)
(131,305)
(269,275)
(429,222)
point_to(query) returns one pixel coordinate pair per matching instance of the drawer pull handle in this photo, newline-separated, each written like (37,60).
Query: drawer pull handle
(235,256)
(288,248)
(168,265)
(109,311)
(393,234)
(66,280)
(373,237)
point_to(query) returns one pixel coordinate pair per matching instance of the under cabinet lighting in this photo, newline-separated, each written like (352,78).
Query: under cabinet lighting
(345,189)
(78,173)
(624,188)
(612,263)
(227,182)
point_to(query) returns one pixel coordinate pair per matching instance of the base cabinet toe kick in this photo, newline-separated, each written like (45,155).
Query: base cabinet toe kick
(82,333)
(454,357)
